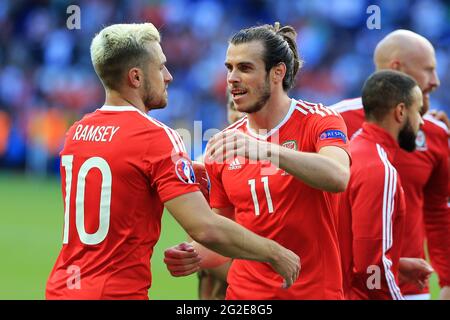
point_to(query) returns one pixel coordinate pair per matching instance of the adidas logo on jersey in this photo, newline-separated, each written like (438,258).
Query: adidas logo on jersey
(235,165)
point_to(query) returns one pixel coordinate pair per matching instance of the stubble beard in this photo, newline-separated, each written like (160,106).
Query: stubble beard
(263,98)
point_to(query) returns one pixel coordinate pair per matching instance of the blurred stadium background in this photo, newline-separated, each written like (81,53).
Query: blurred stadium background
(47,82)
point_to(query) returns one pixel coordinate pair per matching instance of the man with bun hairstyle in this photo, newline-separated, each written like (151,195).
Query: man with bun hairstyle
(278,168)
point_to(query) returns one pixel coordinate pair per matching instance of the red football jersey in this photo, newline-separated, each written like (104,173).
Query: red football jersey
(352,112)
(274,204)
(425,179)
(118,167)
(201,176)
(371,218)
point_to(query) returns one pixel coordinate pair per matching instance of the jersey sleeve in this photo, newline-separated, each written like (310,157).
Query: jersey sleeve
(329,130)
(217,196)
(169,168)
(437,216)
(374,262)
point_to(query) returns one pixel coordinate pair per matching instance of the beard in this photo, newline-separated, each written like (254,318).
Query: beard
(407,137)
(152,100)
(263,98)
(161,104)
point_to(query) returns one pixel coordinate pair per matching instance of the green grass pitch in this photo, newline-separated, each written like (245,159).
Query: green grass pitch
(31,220)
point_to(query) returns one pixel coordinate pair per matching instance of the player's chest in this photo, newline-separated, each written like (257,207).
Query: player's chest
(251,181)
(256,186)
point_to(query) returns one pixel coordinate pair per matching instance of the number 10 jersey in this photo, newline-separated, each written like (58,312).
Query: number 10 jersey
(118,167)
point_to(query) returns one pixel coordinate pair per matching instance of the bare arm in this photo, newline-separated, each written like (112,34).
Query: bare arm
(328,170)
(228,238)
(212,259)
(187,258)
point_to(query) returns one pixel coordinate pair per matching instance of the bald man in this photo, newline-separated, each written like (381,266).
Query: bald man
(424,172)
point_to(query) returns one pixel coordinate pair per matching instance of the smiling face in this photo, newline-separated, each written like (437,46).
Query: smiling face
(248,80)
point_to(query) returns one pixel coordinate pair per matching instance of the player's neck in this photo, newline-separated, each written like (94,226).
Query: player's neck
(115,98)
(273,112)
(389,127)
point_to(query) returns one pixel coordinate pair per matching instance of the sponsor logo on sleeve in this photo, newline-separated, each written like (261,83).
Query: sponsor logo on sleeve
(333,134)
(184,170)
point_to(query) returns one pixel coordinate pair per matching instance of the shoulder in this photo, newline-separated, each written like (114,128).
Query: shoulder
(87,118)
(318,117)
(371,164)
(432,125)
(348,105)
(158,135)
(317,114)
(163,133)
(315,110)
(371,155)
(241,123)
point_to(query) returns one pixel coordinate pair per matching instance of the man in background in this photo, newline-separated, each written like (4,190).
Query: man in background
(424,172)
(372,209)
(277,169)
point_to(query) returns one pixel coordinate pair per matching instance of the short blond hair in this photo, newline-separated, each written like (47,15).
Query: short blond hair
(119,47)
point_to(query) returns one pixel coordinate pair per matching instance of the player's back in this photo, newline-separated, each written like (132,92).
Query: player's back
(112,210)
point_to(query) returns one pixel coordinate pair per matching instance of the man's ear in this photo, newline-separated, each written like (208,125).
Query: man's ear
(395,65)
(134,77)
(278,73)
(400,112)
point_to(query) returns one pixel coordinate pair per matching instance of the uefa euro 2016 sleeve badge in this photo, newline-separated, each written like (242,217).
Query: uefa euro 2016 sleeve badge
(184,170)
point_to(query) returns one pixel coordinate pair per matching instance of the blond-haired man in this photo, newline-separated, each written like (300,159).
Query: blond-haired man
(120,167)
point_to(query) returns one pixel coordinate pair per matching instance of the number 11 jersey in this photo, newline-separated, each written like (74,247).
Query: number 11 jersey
(276,205)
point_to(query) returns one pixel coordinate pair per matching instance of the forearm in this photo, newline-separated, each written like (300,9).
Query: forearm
(232,240)
(218,233)
(316,170)
(209,259)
